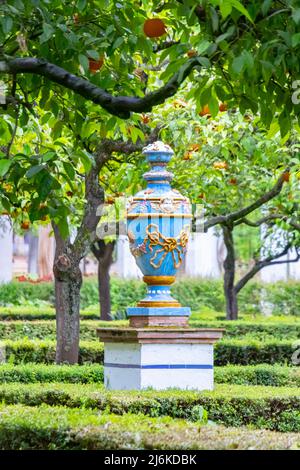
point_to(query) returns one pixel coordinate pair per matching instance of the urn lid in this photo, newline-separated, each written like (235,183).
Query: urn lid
(158,152)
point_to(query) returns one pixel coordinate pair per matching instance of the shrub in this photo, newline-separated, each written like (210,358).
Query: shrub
(46,329)
(263,374)
(229,351)
(23,351)
(231,405)
(282,297)
(246,352)
(49,428)
(32,373)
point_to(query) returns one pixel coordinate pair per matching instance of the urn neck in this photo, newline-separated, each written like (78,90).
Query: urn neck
(158,173)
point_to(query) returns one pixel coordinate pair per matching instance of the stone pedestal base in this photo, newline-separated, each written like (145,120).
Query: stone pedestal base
(158,316)
(158,358)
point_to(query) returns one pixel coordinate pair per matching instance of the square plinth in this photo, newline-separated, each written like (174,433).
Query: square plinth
(157,358)
(158,316)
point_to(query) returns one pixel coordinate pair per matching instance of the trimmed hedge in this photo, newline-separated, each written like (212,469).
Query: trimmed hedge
(232,405)
(47,428)
(264,374)
(282,298)
(244,352)
(24,351)
(46,329)
(33,373)
(15,313)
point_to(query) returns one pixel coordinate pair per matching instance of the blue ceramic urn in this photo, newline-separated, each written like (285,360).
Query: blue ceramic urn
(158,226)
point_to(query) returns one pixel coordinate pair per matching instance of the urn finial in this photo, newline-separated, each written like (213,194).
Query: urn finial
(158,156)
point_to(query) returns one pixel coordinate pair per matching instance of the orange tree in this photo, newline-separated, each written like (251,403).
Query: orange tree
(240,174)
(56,177)
(99,51)
(91,65)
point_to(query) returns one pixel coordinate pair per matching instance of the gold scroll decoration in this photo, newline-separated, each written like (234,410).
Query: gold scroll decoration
(168,245)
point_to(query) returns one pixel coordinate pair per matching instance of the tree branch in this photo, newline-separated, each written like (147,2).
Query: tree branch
(262,264)
(120,106)
(239,215)
(261,221)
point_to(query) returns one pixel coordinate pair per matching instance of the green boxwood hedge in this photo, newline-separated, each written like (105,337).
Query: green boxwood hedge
(274,408)
(47,428)
(263,374)
(33,373)
(24,351)
(46,329)
(283,298)
(227,351)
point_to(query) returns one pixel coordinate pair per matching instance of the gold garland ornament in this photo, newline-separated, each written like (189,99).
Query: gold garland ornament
(168,245)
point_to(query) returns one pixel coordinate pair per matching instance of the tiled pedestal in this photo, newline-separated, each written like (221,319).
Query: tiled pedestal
(158,358)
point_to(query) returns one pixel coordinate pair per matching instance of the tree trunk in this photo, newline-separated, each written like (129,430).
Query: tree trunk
(67,294)
(104,254)
(68,280)
(229,275)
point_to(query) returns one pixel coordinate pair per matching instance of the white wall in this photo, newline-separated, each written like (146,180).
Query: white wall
(125,265)
(204,255)
(6,249)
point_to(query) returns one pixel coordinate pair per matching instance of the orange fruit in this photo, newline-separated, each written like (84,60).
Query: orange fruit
(194,147)
(154,28)
(233,181)
(179,103)
(286,176)
(187,156)
(220,165)
(223,107)
(145,119)
(95,65)
(205,111)
(191,53)
(25,225)
(110,200)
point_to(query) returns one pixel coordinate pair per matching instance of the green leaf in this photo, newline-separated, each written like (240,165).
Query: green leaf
(238,64)
(296,15)
(47,33)
(225,8)
(238,6)
(34,170)
(213,105)
(284,123)
(86,160)
(203,46)
(84,62)
(48,156)
(7,24)
(295,39)
(4,166)
(63,227)
(81,4)
(69,170)
(118,42)
(205,96)
(93,54)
